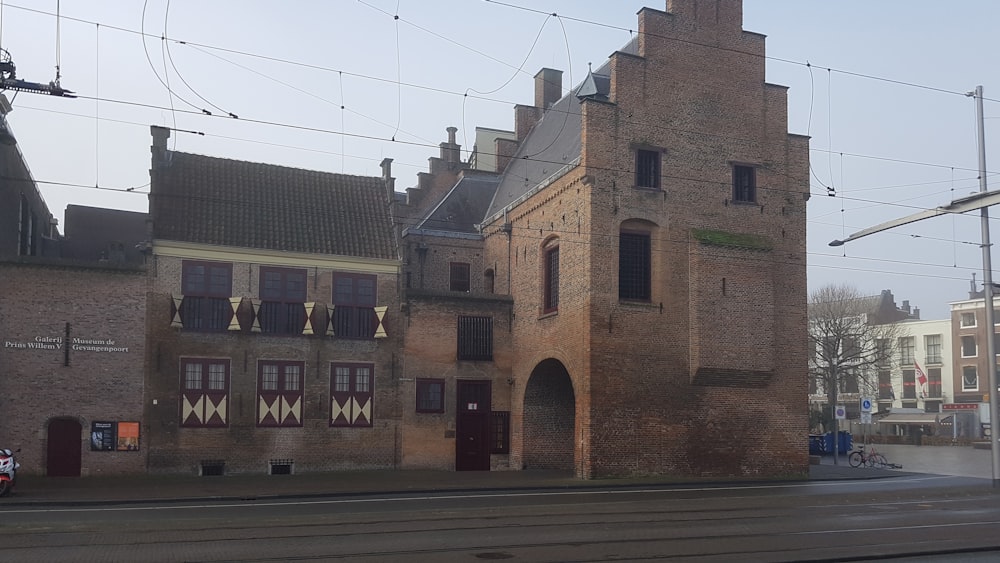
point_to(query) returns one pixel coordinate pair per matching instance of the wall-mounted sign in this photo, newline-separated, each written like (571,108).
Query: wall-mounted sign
(37,343)
(112,436)
(102,436)
(76,344)
(128,436)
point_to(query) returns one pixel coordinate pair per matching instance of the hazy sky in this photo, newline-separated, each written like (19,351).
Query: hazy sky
(878,84)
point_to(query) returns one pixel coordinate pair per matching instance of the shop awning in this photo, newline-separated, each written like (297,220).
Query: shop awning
(914,418)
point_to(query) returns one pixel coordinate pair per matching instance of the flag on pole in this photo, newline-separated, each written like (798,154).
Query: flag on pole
(921,378)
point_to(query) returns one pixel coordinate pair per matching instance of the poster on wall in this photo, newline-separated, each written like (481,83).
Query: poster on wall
(102,436)
(128,436)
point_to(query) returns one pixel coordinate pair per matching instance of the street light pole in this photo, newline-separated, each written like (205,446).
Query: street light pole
(981,201)
(991,353)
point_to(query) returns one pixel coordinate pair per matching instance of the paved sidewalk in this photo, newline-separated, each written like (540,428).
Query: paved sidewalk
(36,490)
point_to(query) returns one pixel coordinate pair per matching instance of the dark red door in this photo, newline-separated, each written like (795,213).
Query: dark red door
(64,448)
(472,427)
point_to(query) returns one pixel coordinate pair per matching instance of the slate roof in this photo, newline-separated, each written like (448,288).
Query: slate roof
(462,209)
(233,203)
(553,146)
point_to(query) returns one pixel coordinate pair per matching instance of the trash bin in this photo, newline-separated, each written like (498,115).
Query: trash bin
(845,443)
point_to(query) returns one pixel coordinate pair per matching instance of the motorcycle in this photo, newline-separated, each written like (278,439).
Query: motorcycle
(8,471)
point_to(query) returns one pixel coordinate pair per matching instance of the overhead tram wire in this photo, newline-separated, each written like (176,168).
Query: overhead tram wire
(427,88)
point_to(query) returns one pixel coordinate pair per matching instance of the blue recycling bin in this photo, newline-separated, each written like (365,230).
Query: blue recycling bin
(822,444)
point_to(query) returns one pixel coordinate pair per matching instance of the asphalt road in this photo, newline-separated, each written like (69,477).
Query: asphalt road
(921,515)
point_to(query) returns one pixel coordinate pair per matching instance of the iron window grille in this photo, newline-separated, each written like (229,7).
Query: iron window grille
(634,266)
(500,432)
(475,338)
(550,282)
(647,169)
(744,184)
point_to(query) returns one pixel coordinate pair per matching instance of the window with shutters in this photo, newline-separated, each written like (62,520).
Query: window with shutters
(354,298)
(279,393)
(207,287)
(204,392)
(283,295)
(351,394)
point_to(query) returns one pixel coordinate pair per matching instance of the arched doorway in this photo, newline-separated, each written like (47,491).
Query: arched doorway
(63,459)
(549,418)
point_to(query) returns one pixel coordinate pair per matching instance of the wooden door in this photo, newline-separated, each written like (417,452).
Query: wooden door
(472,426)
(63,459)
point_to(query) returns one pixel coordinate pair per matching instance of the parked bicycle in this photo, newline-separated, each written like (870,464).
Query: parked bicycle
(867,458)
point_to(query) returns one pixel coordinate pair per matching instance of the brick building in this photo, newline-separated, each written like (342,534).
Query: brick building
(641,263)
(72,350)
(622,292)
(272,334)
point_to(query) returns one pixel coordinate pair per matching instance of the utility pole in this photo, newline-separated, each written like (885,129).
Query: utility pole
(991,353)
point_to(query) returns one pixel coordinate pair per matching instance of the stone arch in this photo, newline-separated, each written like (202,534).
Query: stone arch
(549,423)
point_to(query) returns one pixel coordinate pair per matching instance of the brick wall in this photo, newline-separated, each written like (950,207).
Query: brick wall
(243,445)
(631,365)
(37,301)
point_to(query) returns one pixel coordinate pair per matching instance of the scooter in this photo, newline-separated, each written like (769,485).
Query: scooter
(8,471)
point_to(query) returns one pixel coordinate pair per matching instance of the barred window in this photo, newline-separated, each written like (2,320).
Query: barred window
(634,266)
(647,169)
(475,338)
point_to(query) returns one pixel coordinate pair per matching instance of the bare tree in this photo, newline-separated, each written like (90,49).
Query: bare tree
(853,338)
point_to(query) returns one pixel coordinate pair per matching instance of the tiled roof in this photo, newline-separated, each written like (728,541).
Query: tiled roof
(233,203)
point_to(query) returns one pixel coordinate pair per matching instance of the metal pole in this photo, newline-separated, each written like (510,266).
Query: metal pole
(991,353)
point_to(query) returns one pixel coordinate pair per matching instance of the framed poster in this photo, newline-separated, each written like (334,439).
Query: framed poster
(102,436)
(128,436)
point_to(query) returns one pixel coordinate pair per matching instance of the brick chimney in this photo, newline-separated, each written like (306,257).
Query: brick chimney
(548,87)
(704,14)
(451,151)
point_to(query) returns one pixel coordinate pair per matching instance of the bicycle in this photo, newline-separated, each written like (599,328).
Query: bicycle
(867,458)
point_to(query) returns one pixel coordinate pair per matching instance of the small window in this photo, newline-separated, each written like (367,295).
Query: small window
(279,393)
(647,169)
(744,184)
(550,280)
(634,266)
(970,380)
(968,346)
(968,319)
(475,338)
(430,395)
(906,351)
(500,432)
(932,344)
(459,277)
